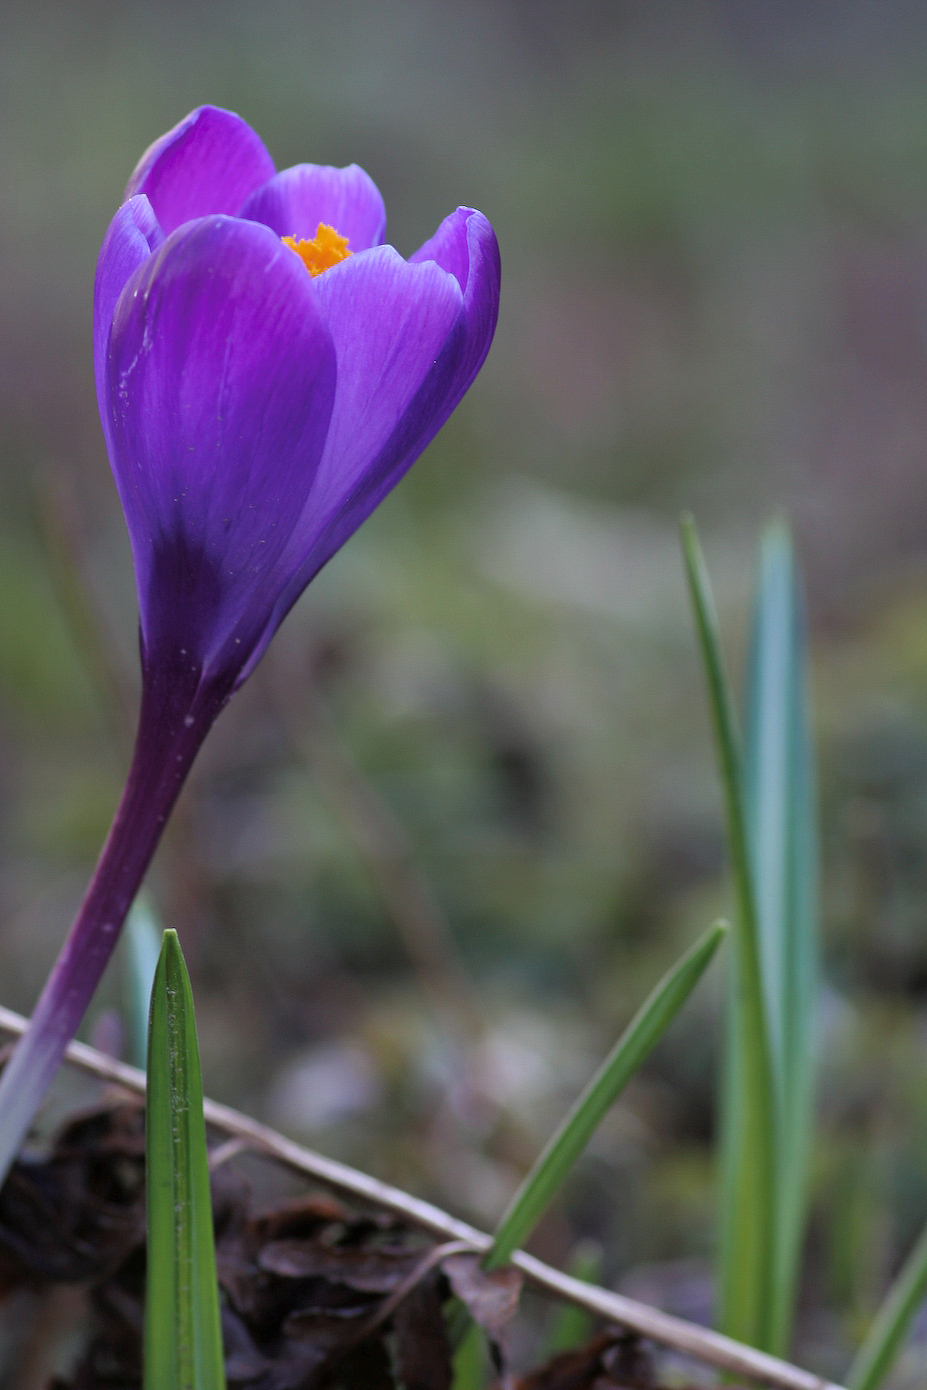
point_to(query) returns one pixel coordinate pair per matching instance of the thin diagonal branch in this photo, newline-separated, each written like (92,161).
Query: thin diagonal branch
(711,1347)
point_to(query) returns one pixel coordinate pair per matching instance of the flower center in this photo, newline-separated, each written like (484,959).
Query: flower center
(325,249)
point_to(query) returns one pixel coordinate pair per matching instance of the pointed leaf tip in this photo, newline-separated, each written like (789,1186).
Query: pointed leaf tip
(183,1340)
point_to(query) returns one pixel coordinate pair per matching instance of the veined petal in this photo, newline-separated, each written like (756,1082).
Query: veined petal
(131,237)
(294,202)
(390,322)
(465,245)
(449,247)
(409,343)
(219,384)
(208,163)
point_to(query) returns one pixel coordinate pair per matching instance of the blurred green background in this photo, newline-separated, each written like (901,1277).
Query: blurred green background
(466,811)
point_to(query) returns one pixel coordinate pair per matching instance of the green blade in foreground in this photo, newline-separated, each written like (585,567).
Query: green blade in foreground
(779,800)
(470,1362)
(183,1340)
(887,1334)
(556,1160)
(748,1164)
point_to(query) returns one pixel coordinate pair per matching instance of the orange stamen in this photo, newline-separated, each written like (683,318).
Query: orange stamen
(326,249)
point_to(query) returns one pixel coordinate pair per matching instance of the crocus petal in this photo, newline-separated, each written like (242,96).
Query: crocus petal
(465,245)
(294,202)
(408,345)
(219,386)
(397,386)
(130,239)
(449,247)
(208,163)
(389,321)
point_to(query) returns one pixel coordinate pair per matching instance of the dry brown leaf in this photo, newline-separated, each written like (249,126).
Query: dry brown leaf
(577,1369)
(423,1352)
(376,1270)
(491,1298)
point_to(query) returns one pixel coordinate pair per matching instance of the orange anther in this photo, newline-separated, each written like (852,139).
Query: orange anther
(326,249)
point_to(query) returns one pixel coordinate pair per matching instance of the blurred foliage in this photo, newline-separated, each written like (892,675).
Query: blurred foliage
(712,218)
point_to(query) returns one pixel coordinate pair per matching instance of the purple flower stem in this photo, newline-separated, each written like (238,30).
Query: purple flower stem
(177,712)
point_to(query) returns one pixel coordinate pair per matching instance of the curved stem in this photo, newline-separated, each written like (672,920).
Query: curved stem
(176,713)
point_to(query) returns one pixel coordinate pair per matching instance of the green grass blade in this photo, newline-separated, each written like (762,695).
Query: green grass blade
(572,1326)
(556,1160)
(141,946)
(748,1165)
(183,1341)
(779,802)
(470,1363)
(889,1329)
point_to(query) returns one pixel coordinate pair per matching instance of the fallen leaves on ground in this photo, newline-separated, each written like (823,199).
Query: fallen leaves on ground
(314,1293)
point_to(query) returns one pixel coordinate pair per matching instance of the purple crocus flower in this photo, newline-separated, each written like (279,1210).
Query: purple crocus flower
(266,371)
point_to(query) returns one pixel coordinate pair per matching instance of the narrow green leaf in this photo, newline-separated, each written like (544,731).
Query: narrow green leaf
(183,1341)
(470,1360)
(556,1160)
(141,946)
(892,1322)
(748,1177)
(779,800)
(572,1325)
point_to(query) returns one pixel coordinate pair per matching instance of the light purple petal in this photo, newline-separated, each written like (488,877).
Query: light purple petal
(295,201)
(389,321)
(208,163)
(130,239)
(219,386)
(408,344)
(465,245)
(449,246)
